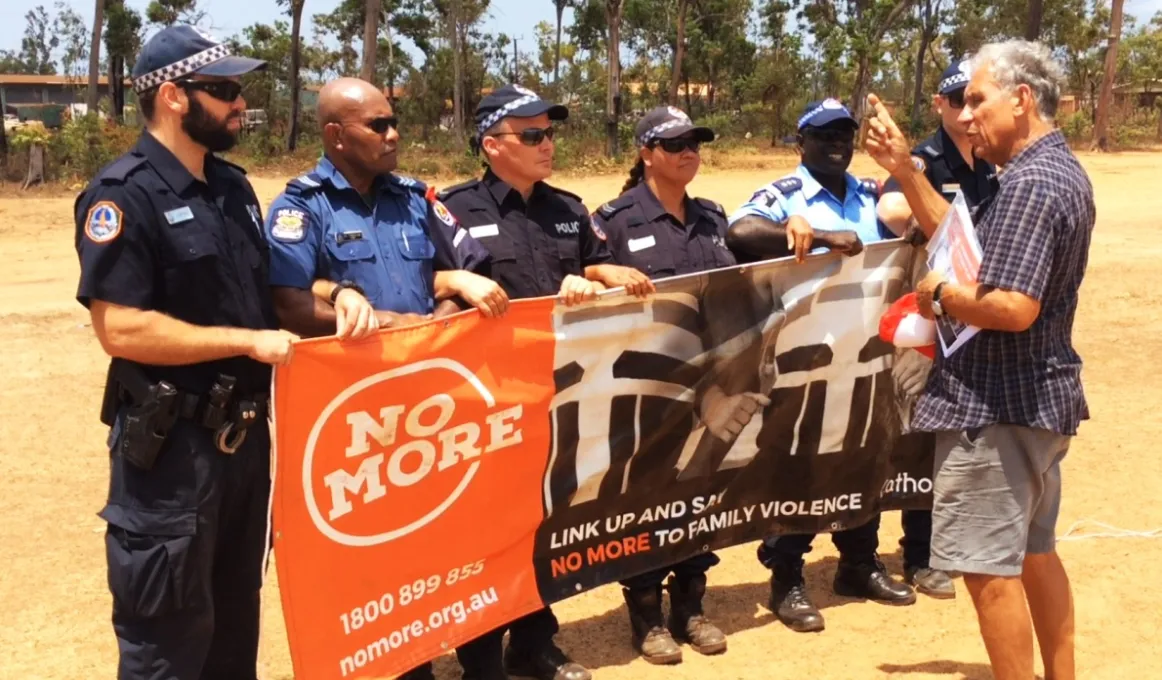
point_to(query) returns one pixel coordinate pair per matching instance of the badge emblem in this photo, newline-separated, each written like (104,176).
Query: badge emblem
(597,231)
(677,113)
(832,104)
(443,214)
(289,225)
(919,163)
(103,223)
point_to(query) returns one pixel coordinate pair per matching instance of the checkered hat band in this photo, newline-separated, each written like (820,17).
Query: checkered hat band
(958,79)
(809,115)
(659,129)
(181,69)
(503,111)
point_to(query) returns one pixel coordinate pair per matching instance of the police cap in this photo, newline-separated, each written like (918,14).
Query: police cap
(820,113)
(181,51)
(955,77)
(513,101)
(668,122)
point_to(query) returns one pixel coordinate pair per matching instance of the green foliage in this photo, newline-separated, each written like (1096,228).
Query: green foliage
(84,145)
(1077,126)
(39,41)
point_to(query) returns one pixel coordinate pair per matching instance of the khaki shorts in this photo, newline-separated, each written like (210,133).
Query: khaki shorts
(996,495)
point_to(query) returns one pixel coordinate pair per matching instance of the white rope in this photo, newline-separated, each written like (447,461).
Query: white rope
(1110,532)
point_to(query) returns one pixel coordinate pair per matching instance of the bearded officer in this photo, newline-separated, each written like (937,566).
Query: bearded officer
(541,242)
(174,273)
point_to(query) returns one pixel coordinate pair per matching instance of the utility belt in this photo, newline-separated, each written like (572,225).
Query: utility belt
(154,407)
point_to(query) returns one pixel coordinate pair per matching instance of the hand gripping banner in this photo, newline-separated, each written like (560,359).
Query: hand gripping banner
(438,481)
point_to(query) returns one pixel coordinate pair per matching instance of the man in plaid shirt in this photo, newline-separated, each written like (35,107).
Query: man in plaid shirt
(1005,406)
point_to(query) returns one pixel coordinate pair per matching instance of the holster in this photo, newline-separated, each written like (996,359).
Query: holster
(153,409)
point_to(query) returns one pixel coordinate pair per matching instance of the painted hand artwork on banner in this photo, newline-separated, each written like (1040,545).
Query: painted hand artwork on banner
(438,481)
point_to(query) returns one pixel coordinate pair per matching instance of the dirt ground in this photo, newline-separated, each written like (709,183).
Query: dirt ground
(53,472)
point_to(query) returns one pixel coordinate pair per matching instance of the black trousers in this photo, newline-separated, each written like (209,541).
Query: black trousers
(917,539)
(692,566)
(185,545)
(857,545)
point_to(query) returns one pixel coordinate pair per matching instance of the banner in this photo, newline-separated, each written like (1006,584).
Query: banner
(439,481)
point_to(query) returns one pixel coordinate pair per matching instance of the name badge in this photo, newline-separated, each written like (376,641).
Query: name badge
(345,236)
(950,188)
(484,230)
(636,244)
(179,215)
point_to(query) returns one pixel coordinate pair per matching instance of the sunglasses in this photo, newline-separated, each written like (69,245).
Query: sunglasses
(678,145)
(955,99)
(222,90)
(382,124)
(830,136)
(530,136)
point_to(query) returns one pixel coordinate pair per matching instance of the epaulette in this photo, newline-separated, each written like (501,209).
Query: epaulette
(409,183)
(711,205)
(870,186)
(570,194)
(608,210)
(304,184)
(928,150)
(457,188)
(788,185)
(117,171)
(235,166)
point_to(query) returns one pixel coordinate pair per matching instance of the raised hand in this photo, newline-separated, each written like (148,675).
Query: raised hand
(885,142)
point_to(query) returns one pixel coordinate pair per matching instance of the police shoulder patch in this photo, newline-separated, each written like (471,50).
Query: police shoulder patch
(104,222)
(597,230)
(788,185)
(919,163)
(289,225)
(442,214)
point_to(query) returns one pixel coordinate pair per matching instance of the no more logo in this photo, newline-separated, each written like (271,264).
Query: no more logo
(429,446)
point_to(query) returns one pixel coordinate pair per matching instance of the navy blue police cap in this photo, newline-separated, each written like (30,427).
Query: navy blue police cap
(513,101)
(820,113)
(955,77)
(668,122)
(180,51)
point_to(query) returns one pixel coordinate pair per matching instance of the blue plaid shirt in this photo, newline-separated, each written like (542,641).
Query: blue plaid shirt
(1035,239)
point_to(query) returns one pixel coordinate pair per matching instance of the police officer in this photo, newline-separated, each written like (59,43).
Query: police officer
(542,242)
(655,227)
(947,162)
(174,273)
(351,228)
(819,203)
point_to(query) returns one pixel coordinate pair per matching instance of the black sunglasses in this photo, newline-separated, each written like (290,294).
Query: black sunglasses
(382,124)
(955,99)
(222,90)
(530,136)
(678,145)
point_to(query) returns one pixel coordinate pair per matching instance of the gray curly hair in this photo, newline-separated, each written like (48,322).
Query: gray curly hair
(1019,62)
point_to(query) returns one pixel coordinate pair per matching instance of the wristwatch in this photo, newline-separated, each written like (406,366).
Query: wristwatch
(936,308)
(343,285)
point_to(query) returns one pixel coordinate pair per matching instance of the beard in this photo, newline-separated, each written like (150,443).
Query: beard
(206,130)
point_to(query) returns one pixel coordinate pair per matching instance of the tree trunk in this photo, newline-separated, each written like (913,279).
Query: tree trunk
(557,62)
(117,86)
(1101,127)
(457,67)
(1033,23)
(679,53)
(926,37)
(95,56)
(686,80)
(390,64)
(370,38)
(859,97)
(292,140)
(613,89)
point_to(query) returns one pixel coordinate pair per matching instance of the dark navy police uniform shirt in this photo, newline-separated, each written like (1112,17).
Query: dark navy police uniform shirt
(152,236)
(947,171)
(322,228)
(534,246)
(641,234)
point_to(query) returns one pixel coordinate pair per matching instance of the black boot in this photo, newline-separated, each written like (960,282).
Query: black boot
(546,663)
(648,636)
(869,580)
(789,600)
(687,622)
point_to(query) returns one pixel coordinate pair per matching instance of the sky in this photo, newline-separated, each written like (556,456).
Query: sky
(514,17)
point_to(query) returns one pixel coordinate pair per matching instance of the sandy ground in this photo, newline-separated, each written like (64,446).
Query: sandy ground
(53,473)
